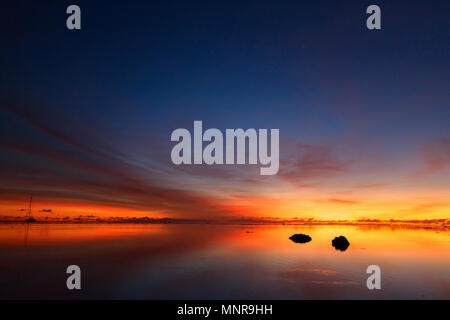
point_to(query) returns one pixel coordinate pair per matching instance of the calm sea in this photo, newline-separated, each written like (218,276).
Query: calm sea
(126,261)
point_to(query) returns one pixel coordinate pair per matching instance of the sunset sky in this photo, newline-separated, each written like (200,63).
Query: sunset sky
(86,116)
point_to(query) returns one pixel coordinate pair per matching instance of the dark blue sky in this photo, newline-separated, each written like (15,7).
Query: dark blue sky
(139,69)
(273,62)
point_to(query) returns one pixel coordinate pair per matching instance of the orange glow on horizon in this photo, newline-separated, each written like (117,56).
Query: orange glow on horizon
(283,207)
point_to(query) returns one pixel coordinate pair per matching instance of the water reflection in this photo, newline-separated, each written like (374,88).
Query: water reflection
(25,242)
(212,261)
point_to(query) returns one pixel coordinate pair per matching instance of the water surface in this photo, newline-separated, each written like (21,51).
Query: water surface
(125,261)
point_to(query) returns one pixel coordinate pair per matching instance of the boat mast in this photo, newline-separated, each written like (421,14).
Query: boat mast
(29,210)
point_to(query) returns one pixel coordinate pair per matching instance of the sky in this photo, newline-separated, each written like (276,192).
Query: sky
(86,115)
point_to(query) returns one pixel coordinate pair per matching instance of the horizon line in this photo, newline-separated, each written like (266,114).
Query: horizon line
(425,223)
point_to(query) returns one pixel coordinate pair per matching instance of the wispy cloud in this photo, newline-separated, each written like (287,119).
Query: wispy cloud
(307,162)
(436,156)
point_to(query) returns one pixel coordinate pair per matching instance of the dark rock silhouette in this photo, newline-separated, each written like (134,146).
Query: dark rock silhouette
(300,238)
(340,243)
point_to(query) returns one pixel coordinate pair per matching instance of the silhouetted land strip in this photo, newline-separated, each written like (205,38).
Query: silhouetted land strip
(432,224)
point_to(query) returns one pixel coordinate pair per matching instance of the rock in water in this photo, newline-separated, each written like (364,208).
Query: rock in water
(340,243)
(300,238)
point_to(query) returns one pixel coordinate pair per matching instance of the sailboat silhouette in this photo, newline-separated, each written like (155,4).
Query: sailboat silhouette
(29,217)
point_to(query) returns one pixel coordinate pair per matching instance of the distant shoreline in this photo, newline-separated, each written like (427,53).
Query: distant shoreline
(426,224)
